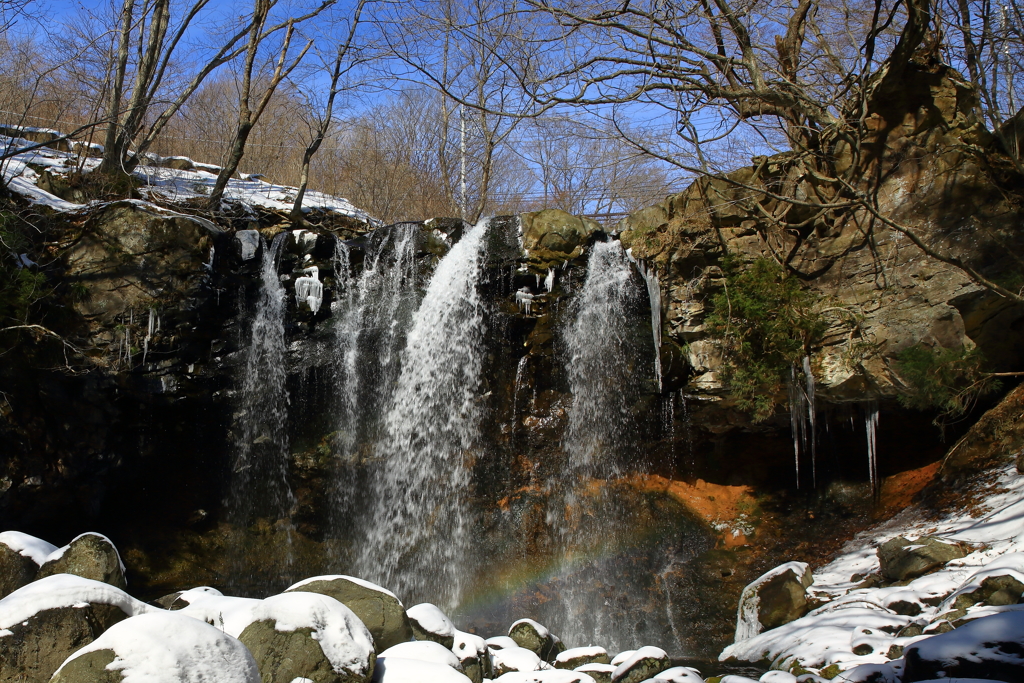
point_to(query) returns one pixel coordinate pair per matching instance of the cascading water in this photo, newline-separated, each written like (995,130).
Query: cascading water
(259,480)
(583,514)
(416,535)
(372,310)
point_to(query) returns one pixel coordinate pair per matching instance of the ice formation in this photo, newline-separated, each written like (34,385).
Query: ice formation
(309,289)
(871,430)
(549,281)
(524,299)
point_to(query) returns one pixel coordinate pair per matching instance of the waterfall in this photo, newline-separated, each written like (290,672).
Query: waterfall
(871,430)
(584,516)
(259,482)
(416,535)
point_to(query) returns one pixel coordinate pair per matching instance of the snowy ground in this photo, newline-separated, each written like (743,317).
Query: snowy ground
(860,625)
(162,185)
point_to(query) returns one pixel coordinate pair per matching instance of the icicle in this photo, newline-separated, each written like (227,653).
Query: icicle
(524,300)
(520,372)
(549,281)
(149,335)
(537,275)
(797,419)
(812,416)
(871,430)
(654,294)
(309,289)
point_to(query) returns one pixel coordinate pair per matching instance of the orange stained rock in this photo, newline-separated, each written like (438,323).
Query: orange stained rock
(727,509)
(898,491)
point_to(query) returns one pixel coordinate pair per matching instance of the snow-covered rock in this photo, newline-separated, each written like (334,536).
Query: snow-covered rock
(400,670)
(515,659)
(472,652)
(622,656)
(685,674)
(776,597)
(546,676)
(91,556)
(43,623)
(20,557)
(378,608)
(248,243)
(578,656)
(430,623)
(900,559)
(602,673)
(647,662)
(991,648)
(536,638)
(500,643)
(425,651)
(308,620)
(162,647)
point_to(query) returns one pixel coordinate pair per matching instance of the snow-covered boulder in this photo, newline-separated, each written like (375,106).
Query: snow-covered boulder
(622,656)
(777,677)
(900,559)
(248,243)
(601,673)
(536,638)
(160,647)
(515,659)
(500,643)
(685,674)
(401,670)
(424,651)
(306,635)
(20,557)
(990,648)
(871,673)
(578,656)
(43,623)
(775,598)
(647,662)
(379,609)
(227,613)
(91,556)
(473,654)
(545,676)
(430,623)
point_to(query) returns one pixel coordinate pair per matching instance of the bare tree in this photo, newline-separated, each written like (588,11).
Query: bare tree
(249,113)
(321,120)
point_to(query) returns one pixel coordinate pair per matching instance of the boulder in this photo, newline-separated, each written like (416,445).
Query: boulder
(45,622)
(546,676)
(160,647)
(379,609)
(91,556)
(777,597)
(578,656)
(424,651)
(515,659)
(871,673)
(601,673)
(901,559)
(20,557)
(685,674)
(472,653)
(647,662)
(306,635)
(430,623)
(552,236)
(536,638)
(401,670)
(991,648)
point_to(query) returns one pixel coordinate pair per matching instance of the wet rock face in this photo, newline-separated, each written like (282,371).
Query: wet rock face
(899,297)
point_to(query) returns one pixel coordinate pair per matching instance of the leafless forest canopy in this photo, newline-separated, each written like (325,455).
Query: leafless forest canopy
(445,107)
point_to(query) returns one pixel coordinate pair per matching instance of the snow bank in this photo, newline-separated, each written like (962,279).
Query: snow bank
(36,549)
(865,619)
(63,590)
(171,647)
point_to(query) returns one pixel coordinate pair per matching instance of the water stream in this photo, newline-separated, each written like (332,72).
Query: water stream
(416,535)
